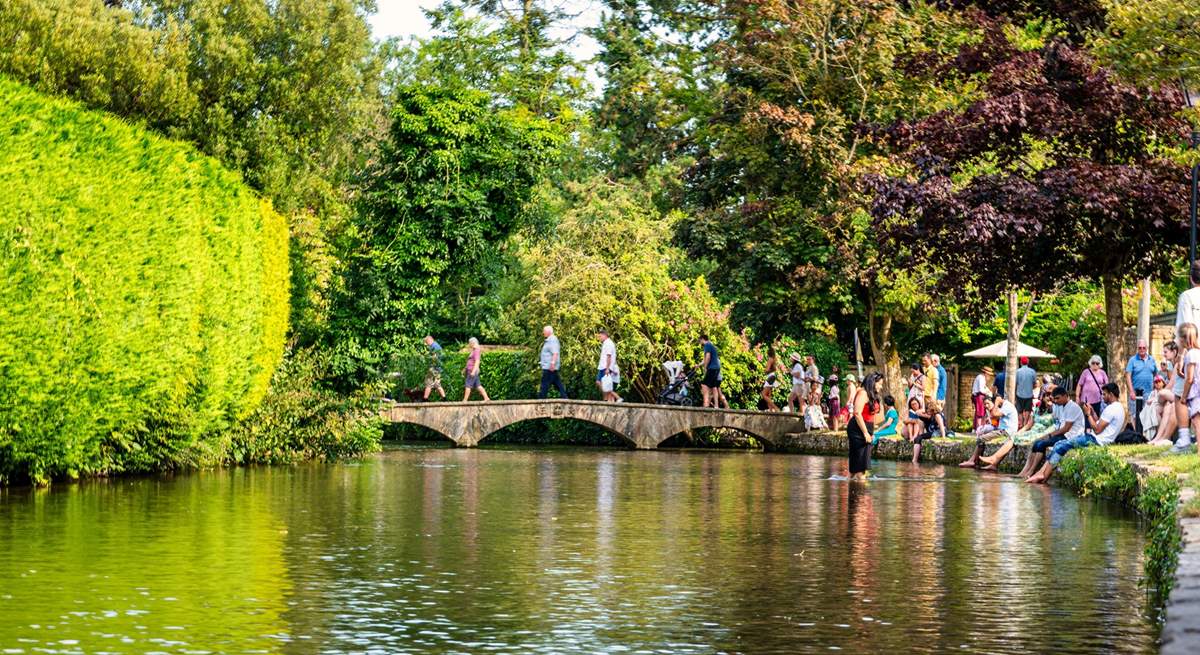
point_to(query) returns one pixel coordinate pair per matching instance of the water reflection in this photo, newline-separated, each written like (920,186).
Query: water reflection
(440,550)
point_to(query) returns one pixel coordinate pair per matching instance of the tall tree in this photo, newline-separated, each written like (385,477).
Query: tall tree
(1056,172)
(285,91)
(781,217)
(452,181)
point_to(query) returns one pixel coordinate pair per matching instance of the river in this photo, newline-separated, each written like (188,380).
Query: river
(494,550)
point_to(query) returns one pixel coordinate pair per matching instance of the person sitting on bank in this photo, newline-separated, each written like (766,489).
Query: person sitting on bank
(891,420)
(1104,432)
(918,427)
(1043,425)
(1069,423)
(1008,422)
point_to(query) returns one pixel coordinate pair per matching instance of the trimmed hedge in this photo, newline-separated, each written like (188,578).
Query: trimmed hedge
(144,299)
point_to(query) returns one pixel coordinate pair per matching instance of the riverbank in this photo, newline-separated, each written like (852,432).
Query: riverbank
(1162,488)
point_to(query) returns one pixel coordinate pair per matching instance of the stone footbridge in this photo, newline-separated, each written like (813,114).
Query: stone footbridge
(643,426)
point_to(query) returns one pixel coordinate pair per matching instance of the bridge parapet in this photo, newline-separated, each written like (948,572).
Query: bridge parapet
(642,426)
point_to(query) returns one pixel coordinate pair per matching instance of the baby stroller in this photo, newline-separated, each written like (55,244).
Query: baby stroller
(676,391)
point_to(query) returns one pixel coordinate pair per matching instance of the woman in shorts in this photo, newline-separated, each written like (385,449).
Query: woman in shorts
(471,372)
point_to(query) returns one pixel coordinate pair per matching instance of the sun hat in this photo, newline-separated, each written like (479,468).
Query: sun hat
(851,378)
(988,370)
(795,357)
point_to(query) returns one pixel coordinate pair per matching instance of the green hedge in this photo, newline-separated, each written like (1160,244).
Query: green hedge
(143,307)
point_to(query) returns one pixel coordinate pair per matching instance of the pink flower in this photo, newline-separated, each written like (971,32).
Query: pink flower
(1073,323)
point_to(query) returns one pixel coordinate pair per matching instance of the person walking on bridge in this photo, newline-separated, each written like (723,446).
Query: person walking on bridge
(433,377)
(551,361)
(607,373)
(710,386)
(471,371)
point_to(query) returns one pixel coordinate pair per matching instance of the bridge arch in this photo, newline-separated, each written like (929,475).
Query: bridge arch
(642,426)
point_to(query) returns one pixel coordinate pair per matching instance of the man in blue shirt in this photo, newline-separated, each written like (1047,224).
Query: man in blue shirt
(550,362)
(1026,377)
(711,384)
(1139,380)
(941,393)
(433,378)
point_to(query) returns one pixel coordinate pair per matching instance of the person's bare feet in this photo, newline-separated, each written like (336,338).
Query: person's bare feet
(1035,479)
(969,464)
(990,466)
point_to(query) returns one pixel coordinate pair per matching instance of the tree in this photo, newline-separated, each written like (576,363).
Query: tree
(285,91)
(1055,148)
(780,215)
(608,265)
(452,181)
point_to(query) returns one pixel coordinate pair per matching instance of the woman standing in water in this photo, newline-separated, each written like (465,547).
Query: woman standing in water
(864,404)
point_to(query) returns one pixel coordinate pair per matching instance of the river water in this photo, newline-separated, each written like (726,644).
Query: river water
(558,551)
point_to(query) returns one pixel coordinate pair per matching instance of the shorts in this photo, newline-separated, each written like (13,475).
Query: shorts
(433,378)
(835,407)
(985,438)
(799,388)
(933,406)
(472,382)
(712,378)
(1193,406)
(1024,405)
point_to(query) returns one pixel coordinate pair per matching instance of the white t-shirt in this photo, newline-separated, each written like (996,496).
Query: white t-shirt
(607,348)
(1114,415)
(797,374)
(1192,357)
(1008,418)
(1188,310)
(1070,412)
(980,385)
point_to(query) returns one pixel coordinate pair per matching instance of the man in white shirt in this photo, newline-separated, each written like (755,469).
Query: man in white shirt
(1188,309)
(607,368)
(1104,432)
(1069,422)
(981,390)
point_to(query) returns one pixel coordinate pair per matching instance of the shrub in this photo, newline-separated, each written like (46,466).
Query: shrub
(1099,472)
(144,303)
(301,418)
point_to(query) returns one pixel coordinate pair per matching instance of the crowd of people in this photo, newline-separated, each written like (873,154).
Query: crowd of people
(1161,404)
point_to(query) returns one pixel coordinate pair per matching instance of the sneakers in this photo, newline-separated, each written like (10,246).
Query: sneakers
(1182,445)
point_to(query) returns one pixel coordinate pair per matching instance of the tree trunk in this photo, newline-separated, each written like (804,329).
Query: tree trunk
(884,351)
(1016,323)
(1114,313)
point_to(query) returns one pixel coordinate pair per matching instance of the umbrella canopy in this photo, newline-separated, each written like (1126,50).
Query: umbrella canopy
(999,350)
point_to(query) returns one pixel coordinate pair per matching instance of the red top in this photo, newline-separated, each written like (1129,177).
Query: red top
(869,410)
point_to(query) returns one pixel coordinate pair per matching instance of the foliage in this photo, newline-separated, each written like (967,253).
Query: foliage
(449,185)
(302,419)
(1099,472)
(608,266)
(507,48)
(145,298)
(1055,149)
(1151,40)
(1157,503)
(283,90)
